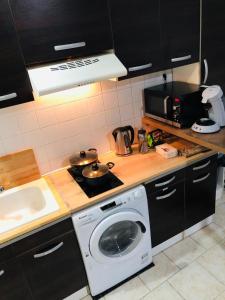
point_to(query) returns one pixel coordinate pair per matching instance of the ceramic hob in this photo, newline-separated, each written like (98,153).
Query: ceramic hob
(110,183)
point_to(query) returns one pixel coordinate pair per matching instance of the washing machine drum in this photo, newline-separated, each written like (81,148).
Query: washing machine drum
(118,237)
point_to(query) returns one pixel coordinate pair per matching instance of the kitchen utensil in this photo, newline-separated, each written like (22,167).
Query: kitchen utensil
(124,138)
(84,158)
(96,174)
(142,140)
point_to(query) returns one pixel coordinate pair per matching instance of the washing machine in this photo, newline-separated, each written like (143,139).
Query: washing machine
(115,240)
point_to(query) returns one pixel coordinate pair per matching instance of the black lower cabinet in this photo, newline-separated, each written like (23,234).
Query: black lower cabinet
(200,194)
(55,270)
(13,285)
(166,212)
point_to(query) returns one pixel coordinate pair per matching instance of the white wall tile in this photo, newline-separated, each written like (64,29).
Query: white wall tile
(124,96)
(110,99)
(60,124)
(126,112)
(27,121)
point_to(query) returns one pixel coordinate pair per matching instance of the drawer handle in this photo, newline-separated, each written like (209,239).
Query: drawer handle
(165,182)
(2,272)
(69,46)
(138,68)
(8,96)
(202,166)
(176,59)
(201,179)
(167,195)
(39,255)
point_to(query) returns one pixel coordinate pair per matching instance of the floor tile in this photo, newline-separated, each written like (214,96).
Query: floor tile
(214,261)
(209,235)
(195,283)
(221,297)
(164,292)
(184,252)
(132,290)
(162,270)
(219,216)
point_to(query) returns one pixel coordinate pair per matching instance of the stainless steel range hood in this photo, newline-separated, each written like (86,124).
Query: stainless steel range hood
(53,78)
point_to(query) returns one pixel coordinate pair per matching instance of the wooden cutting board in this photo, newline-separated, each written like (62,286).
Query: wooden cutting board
(18,168)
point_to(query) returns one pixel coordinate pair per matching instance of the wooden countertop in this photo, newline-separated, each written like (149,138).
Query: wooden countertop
(214,141)
(132,170)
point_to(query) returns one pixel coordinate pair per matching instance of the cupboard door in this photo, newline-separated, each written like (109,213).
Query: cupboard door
(13,285)
(55,270)
(180,29)
(200,196)
(136,34)
(54,29)
(15,86)
(166,213)
(213,42)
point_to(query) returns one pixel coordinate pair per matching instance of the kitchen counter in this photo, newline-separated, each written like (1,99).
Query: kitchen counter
(132,170)
(214,141)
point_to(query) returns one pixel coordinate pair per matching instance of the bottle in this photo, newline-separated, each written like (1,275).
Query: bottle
(142,140)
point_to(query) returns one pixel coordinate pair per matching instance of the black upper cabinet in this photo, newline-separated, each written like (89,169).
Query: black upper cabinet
(15,86)
(55,29)
(136,34)
(213,42)
(180,30)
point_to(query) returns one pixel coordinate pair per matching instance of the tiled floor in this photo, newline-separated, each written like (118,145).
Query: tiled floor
(193,269)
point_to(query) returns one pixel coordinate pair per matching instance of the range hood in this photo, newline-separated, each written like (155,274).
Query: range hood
(53,78)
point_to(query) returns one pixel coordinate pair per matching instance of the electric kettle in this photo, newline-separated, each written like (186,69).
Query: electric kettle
(124,138)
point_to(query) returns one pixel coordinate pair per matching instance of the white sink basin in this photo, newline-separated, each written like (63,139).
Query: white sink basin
(26,203)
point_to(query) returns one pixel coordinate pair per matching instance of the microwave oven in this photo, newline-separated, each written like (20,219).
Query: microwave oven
(175,103)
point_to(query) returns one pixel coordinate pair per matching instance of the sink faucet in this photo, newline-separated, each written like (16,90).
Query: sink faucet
(2,188)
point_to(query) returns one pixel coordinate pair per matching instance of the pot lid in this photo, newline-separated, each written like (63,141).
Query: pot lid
(84,158)
(97,170)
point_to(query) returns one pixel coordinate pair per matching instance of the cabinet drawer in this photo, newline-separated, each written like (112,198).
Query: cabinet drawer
(166,213)
(201,167)
(165,181)
(6,253)
(13,285)
(42,236)
(55,270)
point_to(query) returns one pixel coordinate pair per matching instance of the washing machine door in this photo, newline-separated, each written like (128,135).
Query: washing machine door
(118,237)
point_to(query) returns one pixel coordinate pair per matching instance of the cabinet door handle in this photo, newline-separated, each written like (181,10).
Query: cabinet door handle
(8,96)
(176,59)
(138,68)
(206,71)
(167,195)
(42,254)
(202,166)
(201,179)
(165,182)
(165,105)
(2,272)
(69,46)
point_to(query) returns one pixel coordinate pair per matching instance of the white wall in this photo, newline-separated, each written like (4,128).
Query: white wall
(58,125)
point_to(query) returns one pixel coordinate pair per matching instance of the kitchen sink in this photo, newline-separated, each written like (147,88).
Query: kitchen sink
(26,203)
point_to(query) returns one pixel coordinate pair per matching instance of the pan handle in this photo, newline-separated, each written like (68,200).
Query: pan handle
(110,165)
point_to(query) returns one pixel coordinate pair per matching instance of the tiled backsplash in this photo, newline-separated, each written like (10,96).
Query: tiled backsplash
(58,125)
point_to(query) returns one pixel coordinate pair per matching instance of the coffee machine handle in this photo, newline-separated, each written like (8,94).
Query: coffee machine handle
(115,132)
(131,130)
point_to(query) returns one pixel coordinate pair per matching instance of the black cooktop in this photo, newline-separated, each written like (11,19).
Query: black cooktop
(110,183)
